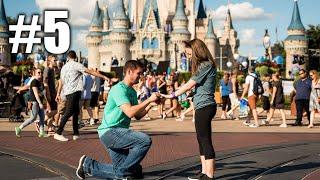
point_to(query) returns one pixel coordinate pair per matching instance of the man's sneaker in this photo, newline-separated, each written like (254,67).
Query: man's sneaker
(283,125)
(92,122)
(75,137)
(60,137)
(253,125)
(197,176)
(80,171)
(18,131)
(247,123)
(42,135)
(205,177)
(264,122)
(137,173)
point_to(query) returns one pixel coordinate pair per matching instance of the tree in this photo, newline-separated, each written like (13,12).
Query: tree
(313,35)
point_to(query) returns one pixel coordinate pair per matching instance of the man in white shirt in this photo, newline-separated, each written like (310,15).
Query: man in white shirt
(252,98)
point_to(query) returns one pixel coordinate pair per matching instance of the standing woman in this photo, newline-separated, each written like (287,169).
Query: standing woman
(314,96)
(203,79)
(38,100)
(277,99)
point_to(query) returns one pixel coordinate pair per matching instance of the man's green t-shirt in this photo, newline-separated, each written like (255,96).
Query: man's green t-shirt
(113,116)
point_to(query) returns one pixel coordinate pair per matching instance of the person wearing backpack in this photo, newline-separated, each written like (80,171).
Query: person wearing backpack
(253,87)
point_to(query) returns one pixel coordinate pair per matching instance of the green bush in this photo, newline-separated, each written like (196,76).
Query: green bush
(184,76)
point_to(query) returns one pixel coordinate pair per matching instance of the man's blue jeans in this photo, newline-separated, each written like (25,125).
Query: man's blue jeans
(126,148)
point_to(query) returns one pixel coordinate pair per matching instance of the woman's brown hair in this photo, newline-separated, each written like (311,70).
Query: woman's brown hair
(315,73)
(200,54)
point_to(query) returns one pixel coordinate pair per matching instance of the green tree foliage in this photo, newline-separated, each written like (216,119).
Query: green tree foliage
(313,34)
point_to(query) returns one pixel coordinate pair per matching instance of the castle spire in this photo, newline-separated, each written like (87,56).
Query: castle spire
(3,17)
(201,11)
(180,14)
(229,20)
(296,23)
(96,19)
(210,32)
(120,13)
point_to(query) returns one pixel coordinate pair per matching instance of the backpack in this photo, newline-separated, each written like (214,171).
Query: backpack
(257,86)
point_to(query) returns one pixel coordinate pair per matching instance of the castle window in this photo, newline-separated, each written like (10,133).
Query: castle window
(154,43)
(145,43)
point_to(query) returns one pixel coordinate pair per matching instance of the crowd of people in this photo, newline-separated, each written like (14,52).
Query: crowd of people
(62,91)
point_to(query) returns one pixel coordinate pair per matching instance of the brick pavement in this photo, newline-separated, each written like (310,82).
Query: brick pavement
(172,140)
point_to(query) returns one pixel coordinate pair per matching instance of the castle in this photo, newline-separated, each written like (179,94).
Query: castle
(296,44)
(156,30)
(5,56)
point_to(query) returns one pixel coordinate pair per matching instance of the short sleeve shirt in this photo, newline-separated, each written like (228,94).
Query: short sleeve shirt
(249,81)
(36,83)
(113,116)
(205,86)
(266,87)
(225,87)
(71,76)
(303,89)
(49,75)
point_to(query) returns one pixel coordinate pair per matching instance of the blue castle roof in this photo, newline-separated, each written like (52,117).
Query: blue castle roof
(296,23)
(120,11)
(201,11)
(296,38)
(150,4)
(3,17)
(180,14)
(210,32)
(97,16)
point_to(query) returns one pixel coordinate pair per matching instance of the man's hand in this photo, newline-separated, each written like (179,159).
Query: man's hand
(154,97)
(41,106)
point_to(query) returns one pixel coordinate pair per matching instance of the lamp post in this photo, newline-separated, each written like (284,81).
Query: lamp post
(176,50)
(267,43)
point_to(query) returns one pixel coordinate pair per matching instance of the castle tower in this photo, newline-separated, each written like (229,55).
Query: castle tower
(190,4)
(229,36)
(296,43)
(5,56)
(106,19)
(120,36)
(179,34)
(211,40)
(201,22)
(94,38)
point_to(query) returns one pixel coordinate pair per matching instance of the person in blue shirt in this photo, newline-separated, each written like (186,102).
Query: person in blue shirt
(302,89)
(226,90)
(203,80)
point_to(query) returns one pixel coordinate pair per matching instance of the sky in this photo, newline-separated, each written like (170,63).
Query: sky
(250,18)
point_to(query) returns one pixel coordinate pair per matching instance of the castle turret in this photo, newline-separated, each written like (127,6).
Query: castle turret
(296,43)
(179,34)
(211,40)
(229,41)
(5,57)
(94,38)
(106,19)
(120,36)
(201,21)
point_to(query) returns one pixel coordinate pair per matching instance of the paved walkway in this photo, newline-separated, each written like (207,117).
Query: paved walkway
(172,142)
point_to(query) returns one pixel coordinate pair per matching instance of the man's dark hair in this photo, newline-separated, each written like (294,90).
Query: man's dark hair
(72,55)
(303,70)
(251,69)
(132,65)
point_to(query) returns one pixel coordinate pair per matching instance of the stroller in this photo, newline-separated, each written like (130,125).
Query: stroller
(16,107)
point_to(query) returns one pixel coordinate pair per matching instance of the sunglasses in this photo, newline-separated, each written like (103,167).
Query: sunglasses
(301,73)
